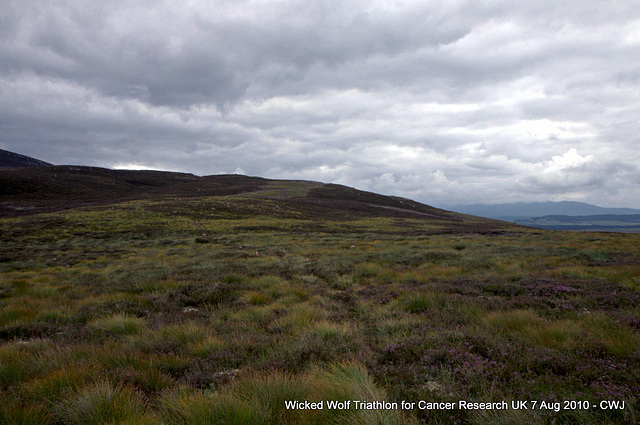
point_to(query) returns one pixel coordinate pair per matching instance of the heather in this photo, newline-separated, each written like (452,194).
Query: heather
(217,309)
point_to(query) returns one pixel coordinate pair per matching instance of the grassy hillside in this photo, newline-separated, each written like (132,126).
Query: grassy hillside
(189,300)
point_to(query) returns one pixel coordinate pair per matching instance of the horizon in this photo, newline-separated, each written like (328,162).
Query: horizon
(499,102)
(443,206)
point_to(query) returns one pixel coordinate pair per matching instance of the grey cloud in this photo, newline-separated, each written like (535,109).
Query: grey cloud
(183,58)
(442,102)
(572,172)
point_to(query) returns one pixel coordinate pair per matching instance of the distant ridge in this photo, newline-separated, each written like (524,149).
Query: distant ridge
(15,160)
(525,210)
(600,222)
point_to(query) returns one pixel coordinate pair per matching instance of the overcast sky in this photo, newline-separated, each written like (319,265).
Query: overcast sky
(440,101)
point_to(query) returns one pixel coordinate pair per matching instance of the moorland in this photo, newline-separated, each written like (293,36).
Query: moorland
(140,297)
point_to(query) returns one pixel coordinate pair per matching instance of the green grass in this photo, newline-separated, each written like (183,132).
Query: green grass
(102,403)
(262,400)
(119,324)
(116,314)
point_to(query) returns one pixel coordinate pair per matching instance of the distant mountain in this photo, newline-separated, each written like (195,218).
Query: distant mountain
(602,222)
(526,210)
(15,160)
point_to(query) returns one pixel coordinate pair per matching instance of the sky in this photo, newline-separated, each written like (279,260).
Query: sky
(444,102)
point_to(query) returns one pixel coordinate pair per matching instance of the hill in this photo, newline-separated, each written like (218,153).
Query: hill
(27,191)
(60,186)
(525,210)
(601,222)
(14,160)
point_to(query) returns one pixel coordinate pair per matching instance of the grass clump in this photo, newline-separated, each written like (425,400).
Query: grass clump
(267,282)
(419,302)
(184,333)
(618,339)
(184,406)
(104,403)
(118,324)
(364,270)
(256,298)
(562,334)
(52,386)
(207,346)
(264,399)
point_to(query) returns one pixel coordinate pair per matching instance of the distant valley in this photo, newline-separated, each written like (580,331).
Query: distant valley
(565,215)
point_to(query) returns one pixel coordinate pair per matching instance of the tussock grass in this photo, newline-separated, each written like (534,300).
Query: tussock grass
(619,339)
(300,316)
(147,378)
(12,413)
(419,302)
(267,282)
(207,346)
(118,324)
(568,333)
(54,385)
(114,314)
(255,298)
(294,295)
(364,270)
(21,360)
(441,270)
(20,311)
(261,400)
(185,407)
(103,403)
(185,333)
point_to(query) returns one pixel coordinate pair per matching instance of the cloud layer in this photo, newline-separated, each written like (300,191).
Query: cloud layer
(443,102)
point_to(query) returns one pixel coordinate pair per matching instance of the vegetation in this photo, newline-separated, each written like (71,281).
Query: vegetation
(182,309)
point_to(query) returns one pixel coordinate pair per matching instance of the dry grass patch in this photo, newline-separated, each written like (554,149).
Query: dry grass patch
(118,324)
(104,403)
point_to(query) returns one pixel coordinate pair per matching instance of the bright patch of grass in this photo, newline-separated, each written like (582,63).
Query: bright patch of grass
(618,339)
(565,334)
(266,282)
(119,324)
(185,333)
(206,346)
(364,270)
(419,302)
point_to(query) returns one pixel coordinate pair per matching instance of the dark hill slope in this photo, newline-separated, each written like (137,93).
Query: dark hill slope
(87,184)
(391,205)
(15,160)
(26,191)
